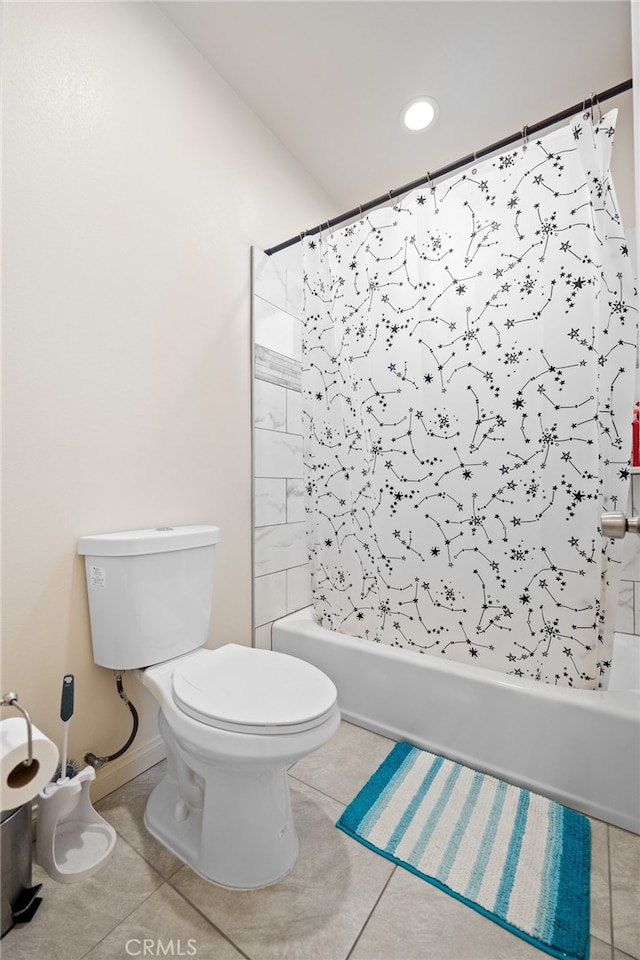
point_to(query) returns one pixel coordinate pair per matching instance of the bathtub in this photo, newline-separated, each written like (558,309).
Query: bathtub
(579,747)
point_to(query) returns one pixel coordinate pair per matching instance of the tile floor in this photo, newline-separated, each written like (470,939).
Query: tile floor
(340,901)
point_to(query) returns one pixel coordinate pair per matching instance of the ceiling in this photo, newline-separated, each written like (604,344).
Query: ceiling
(329,78)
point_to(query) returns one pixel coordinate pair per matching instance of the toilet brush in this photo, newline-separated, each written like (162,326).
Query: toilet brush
(68,768)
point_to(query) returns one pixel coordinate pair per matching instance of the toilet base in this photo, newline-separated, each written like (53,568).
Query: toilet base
(232,826)
(181,839)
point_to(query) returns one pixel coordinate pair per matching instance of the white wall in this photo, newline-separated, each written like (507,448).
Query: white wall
(135,183)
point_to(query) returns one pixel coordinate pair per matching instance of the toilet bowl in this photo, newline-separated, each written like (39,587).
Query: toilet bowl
(233,718)
(223,805)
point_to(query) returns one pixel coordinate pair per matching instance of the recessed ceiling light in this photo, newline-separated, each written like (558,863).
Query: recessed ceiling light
(419,114)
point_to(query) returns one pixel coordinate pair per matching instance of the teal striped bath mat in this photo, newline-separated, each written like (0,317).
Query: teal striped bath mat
(514,856)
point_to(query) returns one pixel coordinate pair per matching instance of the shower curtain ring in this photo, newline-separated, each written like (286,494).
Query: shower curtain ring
(525,137)
(594,100)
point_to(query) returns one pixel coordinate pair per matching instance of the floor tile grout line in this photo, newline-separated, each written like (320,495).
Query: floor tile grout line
(166,882)
(318,790)
(142,855)
(124,918)
(120,922)
(225,936)
(604,943)
(611,940)
(371,912)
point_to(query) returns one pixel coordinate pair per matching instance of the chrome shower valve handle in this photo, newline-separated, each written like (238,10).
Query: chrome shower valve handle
(617,525)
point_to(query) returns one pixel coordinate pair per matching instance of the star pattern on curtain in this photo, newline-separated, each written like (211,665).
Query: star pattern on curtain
(469,356)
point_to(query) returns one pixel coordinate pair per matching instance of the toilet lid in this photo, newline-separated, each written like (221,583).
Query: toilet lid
(253,691)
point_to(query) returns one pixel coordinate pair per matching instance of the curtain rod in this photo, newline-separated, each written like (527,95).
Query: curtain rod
(589,103)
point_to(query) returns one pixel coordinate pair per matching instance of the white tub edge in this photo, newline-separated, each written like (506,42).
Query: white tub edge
(579,747)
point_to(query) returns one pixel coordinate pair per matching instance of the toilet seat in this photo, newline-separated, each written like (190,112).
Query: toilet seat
(246,690)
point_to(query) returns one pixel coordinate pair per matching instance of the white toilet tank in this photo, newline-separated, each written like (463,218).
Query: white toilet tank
(150,593)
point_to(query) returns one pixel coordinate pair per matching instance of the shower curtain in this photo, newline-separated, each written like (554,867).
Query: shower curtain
(468,369)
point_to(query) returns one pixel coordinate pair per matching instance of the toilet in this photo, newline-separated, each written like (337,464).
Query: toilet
(233,719)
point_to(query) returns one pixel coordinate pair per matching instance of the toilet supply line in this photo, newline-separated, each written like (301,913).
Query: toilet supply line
(97,762)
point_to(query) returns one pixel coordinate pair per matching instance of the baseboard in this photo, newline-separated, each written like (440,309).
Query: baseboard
(125,768)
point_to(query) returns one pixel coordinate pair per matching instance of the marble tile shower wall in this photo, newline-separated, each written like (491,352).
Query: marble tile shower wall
(628,620)
(281,574)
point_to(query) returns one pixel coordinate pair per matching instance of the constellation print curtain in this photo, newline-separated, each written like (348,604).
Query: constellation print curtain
(468,373)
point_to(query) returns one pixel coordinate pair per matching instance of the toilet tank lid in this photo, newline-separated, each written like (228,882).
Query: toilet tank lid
(155,540)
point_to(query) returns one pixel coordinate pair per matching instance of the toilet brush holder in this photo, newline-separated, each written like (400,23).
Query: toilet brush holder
(72,840)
